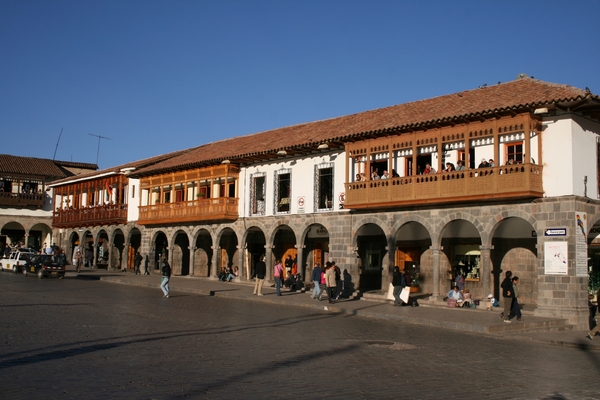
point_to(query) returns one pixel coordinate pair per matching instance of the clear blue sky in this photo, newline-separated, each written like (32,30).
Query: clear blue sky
(158,76)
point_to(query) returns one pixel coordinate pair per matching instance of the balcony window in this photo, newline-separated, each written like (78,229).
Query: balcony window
(324,186)
(514,152)
(257,193)
(283,190)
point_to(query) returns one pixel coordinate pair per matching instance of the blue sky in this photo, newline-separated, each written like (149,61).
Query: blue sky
(158,76)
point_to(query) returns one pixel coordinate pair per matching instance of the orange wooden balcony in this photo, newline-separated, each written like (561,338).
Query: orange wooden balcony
(21,199)
(111,214)
(202,210)
(508,182)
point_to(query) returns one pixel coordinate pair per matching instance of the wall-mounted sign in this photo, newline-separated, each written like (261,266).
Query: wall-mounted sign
(556,258)
(555,232)
(301,204)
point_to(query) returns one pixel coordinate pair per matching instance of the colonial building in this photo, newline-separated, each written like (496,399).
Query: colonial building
(377,189)
(25,206)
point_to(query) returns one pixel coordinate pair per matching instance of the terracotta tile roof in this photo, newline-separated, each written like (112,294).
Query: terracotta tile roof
(132,166)
(30,166)
(74,164)
(519,95)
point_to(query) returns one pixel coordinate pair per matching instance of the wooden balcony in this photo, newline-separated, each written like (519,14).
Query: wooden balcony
(21,199)
(508,182)
(202,210)
(112,214)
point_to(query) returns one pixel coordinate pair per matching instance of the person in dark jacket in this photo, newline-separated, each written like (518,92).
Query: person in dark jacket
(137,262)
(507,296)
(166,277)
(260,270)
(398,282)
(316,279)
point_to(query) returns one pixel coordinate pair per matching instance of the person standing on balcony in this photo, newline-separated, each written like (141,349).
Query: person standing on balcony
(460,166)
(428,169)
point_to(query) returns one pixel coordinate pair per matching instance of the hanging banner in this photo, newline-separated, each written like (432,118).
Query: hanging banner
(555,258)
(581,254)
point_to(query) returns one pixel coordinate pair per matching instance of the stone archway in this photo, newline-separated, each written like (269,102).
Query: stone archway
(181,254)
(203,253)
(254,248)
(413,255)
(371,249)
(514,249)
(461,256)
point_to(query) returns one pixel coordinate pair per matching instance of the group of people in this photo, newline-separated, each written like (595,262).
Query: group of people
(227,274)
(328,279)
(361,177)
(400,281)
(510,297)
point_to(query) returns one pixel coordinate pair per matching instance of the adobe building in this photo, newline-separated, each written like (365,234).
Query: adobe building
(382,188)
(25,206)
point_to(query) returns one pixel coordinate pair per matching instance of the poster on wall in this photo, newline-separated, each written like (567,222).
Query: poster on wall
(581,254)
(555,258)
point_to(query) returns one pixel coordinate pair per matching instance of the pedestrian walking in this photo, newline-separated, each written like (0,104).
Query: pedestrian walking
(338,280)
(515,309)
(166,277)
(398,282)
(331,285)
(316,280)
(78,260)
(277,274)
(507,296)
(137,262)
(260,270)
(594,327)
(147,266)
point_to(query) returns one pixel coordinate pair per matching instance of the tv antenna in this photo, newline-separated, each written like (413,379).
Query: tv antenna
(57,142)
(99,138)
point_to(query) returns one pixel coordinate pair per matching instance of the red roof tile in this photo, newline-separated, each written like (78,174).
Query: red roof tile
(29,166)
(521,94)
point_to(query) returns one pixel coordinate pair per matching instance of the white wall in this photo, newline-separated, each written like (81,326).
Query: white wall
(133,199)
(302,182)
(569,153)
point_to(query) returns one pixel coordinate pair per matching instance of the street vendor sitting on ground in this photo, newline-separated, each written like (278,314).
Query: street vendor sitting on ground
(455,294)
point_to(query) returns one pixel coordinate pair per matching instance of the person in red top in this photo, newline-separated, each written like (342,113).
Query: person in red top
(277,274)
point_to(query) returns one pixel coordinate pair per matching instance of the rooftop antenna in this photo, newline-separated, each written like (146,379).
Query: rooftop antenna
(99,138)
(58,141)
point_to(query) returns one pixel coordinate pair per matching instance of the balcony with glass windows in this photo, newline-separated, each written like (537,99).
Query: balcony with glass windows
(109,214)
(508,182)
(21,199)
(405,159)
(206,194)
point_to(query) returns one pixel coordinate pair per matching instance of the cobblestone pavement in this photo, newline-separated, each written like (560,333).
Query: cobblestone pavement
(77,338)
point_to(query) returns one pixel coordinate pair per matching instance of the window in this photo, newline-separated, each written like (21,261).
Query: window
(324,186)
(514,151)
(257,193)
(282,191)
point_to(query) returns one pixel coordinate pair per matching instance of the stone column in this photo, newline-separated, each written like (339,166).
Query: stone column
(241,263)
(435,260)
(215,257)
(111,248)
(301,269)
(485,269)
(192,257)
(125,256)
(269,262)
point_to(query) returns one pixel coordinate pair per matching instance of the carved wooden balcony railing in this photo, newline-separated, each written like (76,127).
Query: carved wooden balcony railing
(508,182)
(202,210)
(22,199)
(111,214)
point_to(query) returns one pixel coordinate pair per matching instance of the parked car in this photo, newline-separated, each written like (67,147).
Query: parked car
(44,265)
(15,260)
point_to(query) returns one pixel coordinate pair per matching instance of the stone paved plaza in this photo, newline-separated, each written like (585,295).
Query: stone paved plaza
(84,338)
